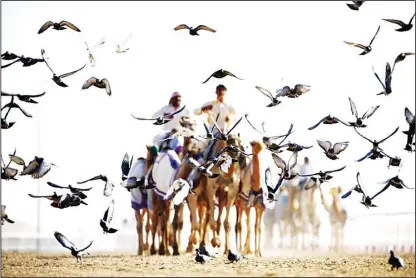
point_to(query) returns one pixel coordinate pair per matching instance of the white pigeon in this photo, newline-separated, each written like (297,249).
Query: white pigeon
(178,191)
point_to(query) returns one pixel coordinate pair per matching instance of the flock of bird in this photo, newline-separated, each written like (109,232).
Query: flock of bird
(38,167)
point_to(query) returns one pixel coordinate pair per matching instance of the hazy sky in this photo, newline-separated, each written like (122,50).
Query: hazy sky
(86,133)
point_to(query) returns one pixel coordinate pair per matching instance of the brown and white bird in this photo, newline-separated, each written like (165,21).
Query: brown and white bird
(37,168)
(403,26)
(296,92)
(367,49)
(331,151)
(194,31)
(221,74)
(102,84)
(8,173)
(58,79)
(58,26)
(4,216)
(356,5)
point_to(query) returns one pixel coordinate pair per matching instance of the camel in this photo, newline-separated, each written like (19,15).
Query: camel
(177,222)
(338,217)
(251,195)
(139,204)
(277,216)
(306,217)
(226,188)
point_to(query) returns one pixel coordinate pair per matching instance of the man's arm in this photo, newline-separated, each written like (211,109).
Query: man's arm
(205,108)
(230,115)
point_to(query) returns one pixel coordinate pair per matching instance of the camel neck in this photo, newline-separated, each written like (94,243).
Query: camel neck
(256,173)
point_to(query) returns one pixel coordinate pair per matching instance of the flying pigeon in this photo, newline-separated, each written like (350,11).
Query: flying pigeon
(367,49)
(13,104)
(58,79)
(58,26)
(268,140)
(224,136)
(221,74)
(268,181)
(401,57)
(4,216)
(77,253)
(286,167)
(274,99)
(376,151)
(356,5)
(26,61)
(395,182)
(323,176)
(403,26)
(328,120)
(108,216)
(356,188)
(332,151)
(25,98)
(37,168)
(108,187)
(194,31)
(75,190)
(162,119)
(178,191)
(296,92)
(410,118)
(359,120)
(387,81)
(102,84)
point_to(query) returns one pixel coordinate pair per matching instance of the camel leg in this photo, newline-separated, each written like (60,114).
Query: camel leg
(175,226)
(203,213)
(211,190)
(227,227)
(140,234)
(217,230)
(258,229)
(239,227)
(247,244)
(147,229)
(163,226)
(155,223)
(193,238)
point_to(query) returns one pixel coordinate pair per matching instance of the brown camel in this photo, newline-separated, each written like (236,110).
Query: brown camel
(337,216)
(251,195)
(226,188)
(177,222)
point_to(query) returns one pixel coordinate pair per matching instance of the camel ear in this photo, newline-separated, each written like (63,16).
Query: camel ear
(238,135)
(339,189)
(148,147)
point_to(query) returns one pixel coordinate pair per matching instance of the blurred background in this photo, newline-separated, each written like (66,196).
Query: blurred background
(86,133)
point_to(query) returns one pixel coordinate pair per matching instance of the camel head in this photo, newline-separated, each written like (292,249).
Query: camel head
(235,141)
(335,191)
(257,147)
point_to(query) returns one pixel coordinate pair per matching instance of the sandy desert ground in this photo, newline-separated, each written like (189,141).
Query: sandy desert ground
(31,264)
